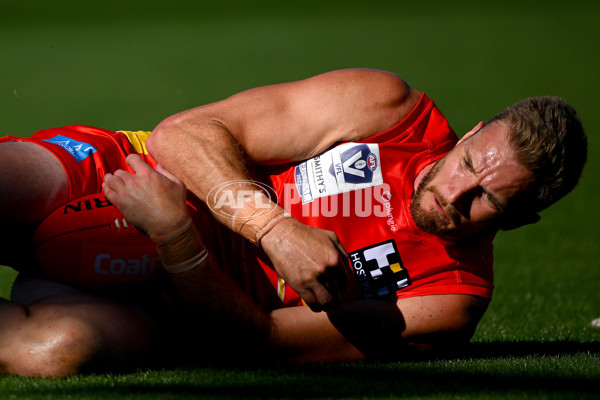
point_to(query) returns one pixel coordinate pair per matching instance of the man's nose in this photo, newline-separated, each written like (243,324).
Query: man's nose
(461,192)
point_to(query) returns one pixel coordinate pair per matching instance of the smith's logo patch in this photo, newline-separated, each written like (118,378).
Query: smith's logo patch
(347,167)
(79,150)
(379,270)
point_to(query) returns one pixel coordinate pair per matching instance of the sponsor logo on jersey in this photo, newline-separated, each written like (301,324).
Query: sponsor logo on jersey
(112,263)
(88,204)
(302,183)
(378,269)
(347,167)
(372,161)
(106,264)
(386,198)
(79,150)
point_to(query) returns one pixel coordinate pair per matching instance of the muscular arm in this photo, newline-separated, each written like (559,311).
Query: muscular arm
(283,122)
(358,330)
(215,143)
(211,144)
(375,329)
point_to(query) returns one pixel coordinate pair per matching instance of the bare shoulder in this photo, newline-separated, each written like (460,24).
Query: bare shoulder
(358,102)
(296,120)
(372,88)
(369,79)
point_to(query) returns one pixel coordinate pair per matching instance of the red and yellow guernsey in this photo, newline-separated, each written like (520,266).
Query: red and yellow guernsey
(362,192)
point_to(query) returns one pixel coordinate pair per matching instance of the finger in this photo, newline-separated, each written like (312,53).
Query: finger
(112,186)
(108,177)
(121,185)
(339,245)
(112,181)
(309,299)
(324,298)
(122,180)
(342,273)
(136,162)
(112,195)
(109,193)
(315,307)
(334,292)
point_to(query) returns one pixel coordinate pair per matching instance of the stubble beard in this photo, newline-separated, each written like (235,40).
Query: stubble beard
(435,224)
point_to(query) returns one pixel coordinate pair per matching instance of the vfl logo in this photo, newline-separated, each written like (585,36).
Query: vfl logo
(379,270)
(344,168)
(356,164)
(79,150)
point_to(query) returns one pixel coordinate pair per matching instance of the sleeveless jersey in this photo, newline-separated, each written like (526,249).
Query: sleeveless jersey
(88,153)
(362,192)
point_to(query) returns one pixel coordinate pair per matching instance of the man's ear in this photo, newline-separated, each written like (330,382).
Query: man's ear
(472,131)
(518,220)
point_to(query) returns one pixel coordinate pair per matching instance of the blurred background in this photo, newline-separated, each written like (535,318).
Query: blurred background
(129,64)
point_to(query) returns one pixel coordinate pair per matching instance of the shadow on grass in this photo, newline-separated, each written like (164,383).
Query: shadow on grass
(554,370)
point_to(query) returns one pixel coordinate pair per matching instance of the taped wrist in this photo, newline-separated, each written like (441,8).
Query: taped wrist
(181,250)
(254,229)
(246,208)
(268,227)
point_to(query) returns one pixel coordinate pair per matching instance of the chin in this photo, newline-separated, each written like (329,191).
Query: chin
(427,222)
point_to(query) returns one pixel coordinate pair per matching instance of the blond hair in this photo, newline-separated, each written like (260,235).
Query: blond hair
(548,137)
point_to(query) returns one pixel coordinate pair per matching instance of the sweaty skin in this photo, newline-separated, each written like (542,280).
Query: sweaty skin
(468,190)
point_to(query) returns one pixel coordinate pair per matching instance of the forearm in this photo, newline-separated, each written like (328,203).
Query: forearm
(236,326)
(210,145)
(222,312)
(201,152)
(295,333)
(362,328)
(219,175)
(303,256)
(208,295)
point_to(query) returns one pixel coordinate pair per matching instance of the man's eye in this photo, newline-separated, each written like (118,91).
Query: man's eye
(491,200)
(467,163)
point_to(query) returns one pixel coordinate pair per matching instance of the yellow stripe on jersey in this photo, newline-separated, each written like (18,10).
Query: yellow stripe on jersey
(281,288)
(137,140)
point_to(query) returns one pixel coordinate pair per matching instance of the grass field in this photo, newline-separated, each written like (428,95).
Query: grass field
(128,64)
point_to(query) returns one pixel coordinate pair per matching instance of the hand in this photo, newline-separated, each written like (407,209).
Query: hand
(152,200)
(311,260)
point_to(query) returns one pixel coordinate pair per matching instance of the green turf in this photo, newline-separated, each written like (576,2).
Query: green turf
(127,65)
